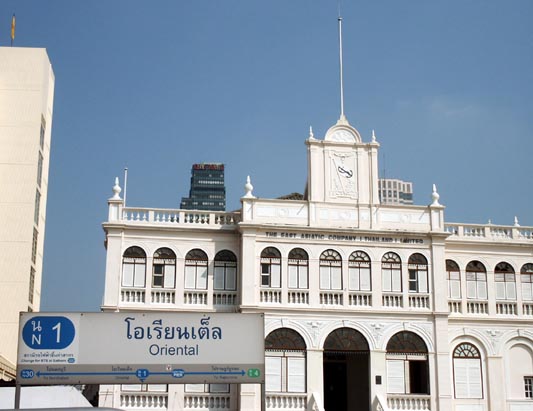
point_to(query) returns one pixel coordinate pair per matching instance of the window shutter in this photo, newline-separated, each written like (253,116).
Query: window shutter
(386,280)
(467,375)
(474,378)
(219,278)
(511,290)
(395,377)
(202,277)
(336,278)
(325,283)
(293,276)
(353,279)
(170,275)
(231,278)
(366,284)
(303,277)
(500,290)
(396,281)
(273,374)
(275,275)
(527,295)
(138,279)
(127,275)
(194,388)
(455,289)
(423,281)
(190,274)
(482,290)
(218,388)
(296,374)
(471,289)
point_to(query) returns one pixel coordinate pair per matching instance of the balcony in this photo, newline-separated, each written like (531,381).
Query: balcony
(286,401)
(488,232)
(207,402)
(408,402)
(144,400)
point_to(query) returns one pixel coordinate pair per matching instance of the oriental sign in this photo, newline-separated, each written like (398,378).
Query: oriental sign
(154,348)
(343,237)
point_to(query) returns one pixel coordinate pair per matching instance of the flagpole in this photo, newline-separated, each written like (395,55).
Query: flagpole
(12,29)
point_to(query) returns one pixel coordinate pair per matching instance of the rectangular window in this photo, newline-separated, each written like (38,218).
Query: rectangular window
(144,387)
(476,285)
(40,169)
(467,376)
(454,284)
(41,134)
(359,278)
(207,388)
(505,286)
(396,377)
(528,387)
(32,285)
(34,246)
(37,206)
(285,373)
(527,286)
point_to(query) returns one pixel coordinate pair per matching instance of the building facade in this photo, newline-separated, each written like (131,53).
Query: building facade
(367,306)
(394,191)
(26,109)
(208,191)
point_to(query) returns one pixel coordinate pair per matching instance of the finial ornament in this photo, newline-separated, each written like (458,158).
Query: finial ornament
(490,221)
(435,196)
(373,136)
(248,188)
(311,135)
(516,221)
(116,190)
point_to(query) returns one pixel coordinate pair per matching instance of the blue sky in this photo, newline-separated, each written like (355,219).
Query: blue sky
(156,86)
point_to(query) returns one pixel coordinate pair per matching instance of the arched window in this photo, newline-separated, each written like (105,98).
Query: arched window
(134,267)
(225,277)
(344,340)
(467,371)
(407,364)
(418,273)
(453,276)
(391,273)
(359,272)
(526,278)
(285,361)
(271,268)
(504,278)
(476,281)
(164,269)
(196,270)
(298,268)
(330,270)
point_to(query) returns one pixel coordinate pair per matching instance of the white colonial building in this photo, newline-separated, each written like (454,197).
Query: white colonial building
(367,306)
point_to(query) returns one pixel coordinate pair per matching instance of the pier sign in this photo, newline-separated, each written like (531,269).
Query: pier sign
(134,347)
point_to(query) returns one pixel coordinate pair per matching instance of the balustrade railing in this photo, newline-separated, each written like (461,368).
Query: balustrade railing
(506,308)
(207,402)
(392,300)
(455,306)
(360,299)
(225,298)
(331,298)
(419,301)
(281,402)
(163,296)
(143,400)
(477,307)
(179,217)
(299,297)
(132,295)
(195,297)
(270,296)
(489,231)
(527,308)
(408,402)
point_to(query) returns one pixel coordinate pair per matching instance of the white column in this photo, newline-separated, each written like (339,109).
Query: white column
(249,273)
(250,397)
(378,368)
(315,373)
(495,377)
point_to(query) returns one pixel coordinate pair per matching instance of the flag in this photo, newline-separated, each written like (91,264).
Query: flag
(12,29)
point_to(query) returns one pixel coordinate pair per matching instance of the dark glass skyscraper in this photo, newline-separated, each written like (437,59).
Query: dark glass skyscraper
(208,191)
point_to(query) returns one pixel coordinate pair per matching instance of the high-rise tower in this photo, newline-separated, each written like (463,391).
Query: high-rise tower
(207,191)
(26,108)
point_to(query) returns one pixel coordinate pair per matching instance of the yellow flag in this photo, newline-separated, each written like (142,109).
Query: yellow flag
(13,28)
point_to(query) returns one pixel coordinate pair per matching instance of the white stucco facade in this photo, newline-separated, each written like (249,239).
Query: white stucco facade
(367,306)
(26,108)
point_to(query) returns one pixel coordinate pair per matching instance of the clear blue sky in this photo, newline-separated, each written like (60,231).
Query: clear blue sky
(158,85)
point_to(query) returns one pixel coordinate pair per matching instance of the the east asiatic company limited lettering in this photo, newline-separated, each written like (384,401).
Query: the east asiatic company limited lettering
(343,237)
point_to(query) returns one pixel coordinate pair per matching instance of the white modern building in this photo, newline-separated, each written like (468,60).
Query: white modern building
(26,108)
(367,306)
(394,191)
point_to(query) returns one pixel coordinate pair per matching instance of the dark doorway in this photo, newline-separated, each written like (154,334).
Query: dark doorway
(346,371)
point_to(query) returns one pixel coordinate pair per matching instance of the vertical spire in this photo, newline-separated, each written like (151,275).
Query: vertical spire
(342,116)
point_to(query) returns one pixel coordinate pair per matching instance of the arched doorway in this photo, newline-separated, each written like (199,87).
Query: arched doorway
(346,371)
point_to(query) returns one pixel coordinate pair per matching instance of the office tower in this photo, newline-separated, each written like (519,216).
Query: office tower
(394,191)
(26,108)
(207,191)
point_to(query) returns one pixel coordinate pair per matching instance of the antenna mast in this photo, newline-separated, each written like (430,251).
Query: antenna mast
(342,117)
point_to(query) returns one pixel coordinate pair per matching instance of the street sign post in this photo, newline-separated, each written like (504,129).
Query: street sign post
(126,348)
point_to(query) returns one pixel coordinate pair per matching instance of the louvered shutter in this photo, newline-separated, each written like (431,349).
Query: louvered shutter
(396,376)
(296,374)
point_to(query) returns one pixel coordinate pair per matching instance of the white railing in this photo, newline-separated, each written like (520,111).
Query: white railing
(477,307)
(144,400)
(299,297)
(195,297)
(286,401)
(392,300)
(224,298)
(527,308)
(506,308)
(360,299)
(132,295)
(455,306)
(488,231)
(331,298)
(408,402)
(163,296)
(419,301)
(180,217)
(211,402)
(270,295)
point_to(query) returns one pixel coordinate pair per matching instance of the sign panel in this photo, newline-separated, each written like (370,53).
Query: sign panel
(132,348)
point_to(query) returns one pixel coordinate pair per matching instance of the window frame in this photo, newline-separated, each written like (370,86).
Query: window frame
(224,261)
(464,352)
(391,266)
(330,266)
(477,278)
(270,262)
(526,281)
(197,265)
(453,268)
(504,273)
(137,259)
(359,264)
(167,263)
(417,266)
(298,269)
